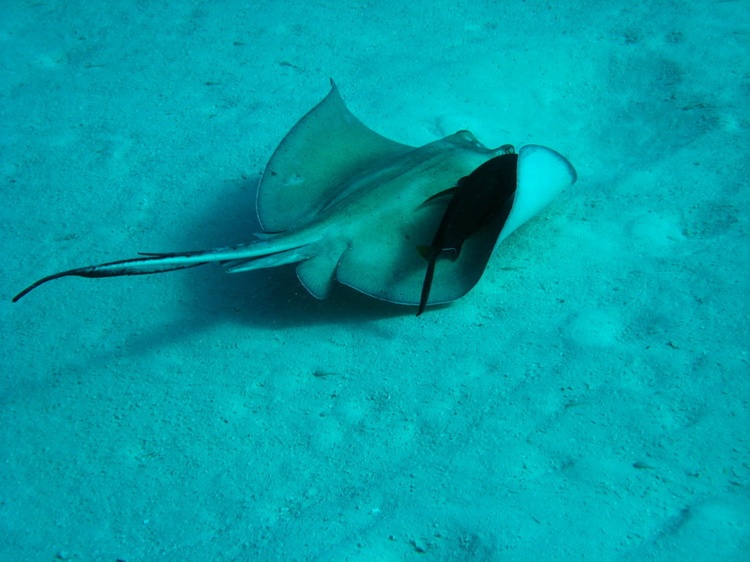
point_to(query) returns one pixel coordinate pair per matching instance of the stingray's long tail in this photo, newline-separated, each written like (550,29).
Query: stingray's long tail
(264,253)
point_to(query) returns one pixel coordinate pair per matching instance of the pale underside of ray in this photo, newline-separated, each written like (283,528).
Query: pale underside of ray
(348,205)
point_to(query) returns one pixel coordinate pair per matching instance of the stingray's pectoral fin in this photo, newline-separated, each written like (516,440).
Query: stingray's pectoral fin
(154,263)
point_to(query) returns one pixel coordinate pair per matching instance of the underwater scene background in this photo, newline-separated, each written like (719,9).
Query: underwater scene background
(589,398)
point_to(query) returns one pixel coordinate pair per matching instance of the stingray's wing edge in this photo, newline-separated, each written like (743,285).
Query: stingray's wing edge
(322,152)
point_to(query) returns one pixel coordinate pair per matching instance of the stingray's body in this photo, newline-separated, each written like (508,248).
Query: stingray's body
(351,206)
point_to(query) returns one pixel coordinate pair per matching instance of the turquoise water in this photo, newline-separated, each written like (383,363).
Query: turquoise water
(588,399)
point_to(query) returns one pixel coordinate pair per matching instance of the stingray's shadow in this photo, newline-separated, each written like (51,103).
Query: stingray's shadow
(273,298)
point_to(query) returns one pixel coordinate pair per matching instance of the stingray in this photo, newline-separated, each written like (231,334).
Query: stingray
(408,225)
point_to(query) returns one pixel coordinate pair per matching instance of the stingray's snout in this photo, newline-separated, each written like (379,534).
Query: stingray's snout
(542,174)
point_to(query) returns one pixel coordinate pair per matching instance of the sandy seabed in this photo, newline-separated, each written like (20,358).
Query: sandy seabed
(587,400)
